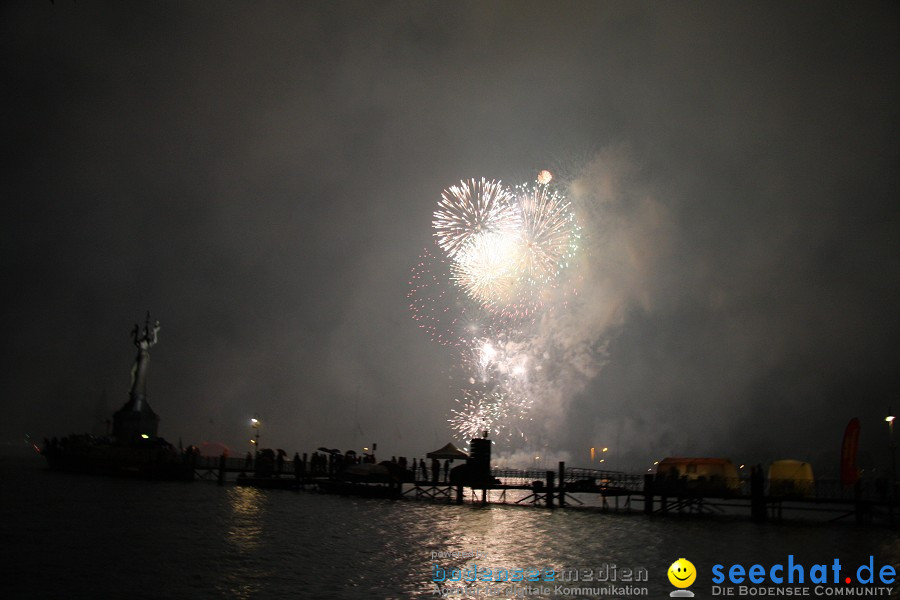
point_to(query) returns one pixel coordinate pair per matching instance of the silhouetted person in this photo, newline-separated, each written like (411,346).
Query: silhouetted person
(424,469)
(296,462)
(447,470)
(435,470)
(248,461)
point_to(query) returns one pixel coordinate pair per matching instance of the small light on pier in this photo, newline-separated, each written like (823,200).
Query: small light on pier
(145,436)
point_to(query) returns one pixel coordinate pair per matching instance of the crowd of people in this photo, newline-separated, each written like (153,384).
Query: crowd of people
(330,463)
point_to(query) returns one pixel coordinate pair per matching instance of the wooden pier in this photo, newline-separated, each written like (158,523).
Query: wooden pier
(617,491)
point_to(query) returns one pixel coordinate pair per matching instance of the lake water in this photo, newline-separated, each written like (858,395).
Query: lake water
(72,536)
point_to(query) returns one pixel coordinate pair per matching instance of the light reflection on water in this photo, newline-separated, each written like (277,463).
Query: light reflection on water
(94,537)
(242,575)
(248,508)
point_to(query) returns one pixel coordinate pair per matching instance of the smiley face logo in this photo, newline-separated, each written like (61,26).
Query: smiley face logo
(682,573)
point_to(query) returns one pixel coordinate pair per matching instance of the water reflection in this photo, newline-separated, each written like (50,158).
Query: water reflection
(505,540)
(228,542)
(243,567)
(246,522)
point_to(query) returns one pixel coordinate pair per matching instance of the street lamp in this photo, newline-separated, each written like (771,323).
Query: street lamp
(254,424)
(890,421)
(594,454)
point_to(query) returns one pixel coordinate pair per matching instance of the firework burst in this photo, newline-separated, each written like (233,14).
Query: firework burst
(504,263)
(498,360)
(486,270)
(549,233)
(495,411)
(472,208)
(477,412)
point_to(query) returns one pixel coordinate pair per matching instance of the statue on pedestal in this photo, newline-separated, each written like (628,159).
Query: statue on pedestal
(147,340)
(136,421)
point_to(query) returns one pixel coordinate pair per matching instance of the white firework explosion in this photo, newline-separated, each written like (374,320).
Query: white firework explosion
(472,208)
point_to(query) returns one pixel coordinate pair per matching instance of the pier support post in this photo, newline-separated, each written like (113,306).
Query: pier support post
(459,493)
(648,493)
(222,470)
(757,495)
(550,488)
(562,484)
(859,505)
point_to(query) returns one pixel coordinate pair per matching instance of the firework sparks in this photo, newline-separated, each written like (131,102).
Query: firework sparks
(436,304)
(470,209)
(486,270)
(549,233)
(477,413)
(504,363)
(504,254)
(507,263)
(494,411)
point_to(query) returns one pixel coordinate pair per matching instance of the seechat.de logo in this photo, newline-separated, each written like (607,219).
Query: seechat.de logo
(682,574)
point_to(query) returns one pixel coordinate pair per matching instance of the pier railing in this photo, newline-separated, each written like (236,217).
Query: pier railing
(597,479)
(866,501)
(617,482)
(574,480)
(820,490)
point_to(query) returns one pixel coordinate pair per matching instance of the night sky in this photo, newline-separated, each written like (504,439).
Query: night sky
(261,176)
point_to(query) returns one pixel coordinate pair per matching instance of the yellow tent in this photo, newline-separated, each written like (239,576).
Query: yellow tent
(791,478)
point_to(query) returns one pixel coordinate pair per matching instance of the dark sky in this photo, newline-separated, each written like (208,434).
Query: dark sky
(261,176)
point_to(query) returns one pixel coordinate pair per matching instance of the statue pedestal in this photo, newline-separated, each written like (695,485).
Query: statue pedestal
(134,420)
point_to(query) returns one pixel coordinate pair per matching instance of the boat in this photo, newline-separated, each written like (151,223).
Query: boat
(133,449)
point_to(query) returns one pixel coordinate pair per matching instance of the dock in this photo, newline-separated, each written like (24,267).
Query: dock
(614,491)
